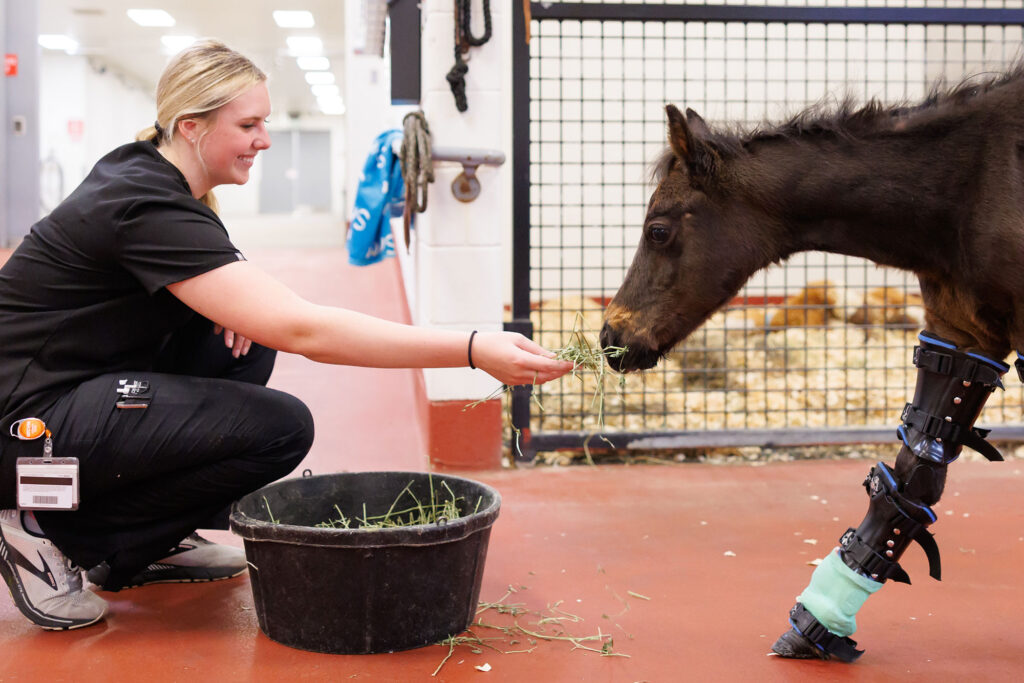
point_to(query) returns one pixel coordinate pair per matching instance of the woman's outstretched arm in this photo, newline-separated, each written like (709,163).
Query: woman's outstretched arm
(242,298)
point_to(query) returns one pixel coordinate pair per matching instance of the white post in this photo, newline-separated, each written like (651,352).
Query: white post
(461,265)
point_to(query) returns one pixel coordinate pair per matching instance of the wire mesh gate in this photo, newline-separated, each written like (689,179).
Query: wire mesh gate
(817,350)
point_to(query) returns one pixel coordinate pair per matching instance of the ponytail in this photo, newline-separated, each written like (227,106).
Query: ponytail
(148,134)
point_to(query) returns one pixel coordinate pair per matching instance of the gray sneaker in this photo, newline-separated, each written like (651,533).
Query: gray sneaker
(45,585)
(193,560)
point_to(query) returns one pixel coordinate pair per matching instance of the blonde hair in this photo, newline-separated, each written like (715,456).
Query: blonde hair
(197,82)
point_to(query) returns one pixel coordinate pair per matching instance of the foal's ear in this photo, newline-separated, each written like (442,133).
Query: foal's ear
(688,139)
(696,124)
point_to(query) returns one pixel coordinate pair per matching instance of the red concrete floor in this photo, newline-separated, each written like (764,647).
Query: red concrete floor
(717,553)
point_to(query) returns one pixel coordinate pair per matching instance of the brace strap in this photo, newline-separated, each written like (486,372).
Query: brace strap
(1020,366)
(868,561)
(878,567)
(960,366)
(813,630)
(936,427)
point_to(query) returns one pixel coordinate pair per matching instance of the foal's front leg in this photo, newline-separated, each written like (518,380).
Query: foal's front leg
(952,387)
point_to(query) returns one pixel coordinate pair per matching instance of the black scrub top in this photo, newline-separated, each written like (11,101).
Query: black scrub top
(84,294)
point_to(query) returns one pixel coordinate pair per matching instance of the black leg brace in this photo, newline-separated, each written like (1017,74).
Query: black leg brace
(952,387)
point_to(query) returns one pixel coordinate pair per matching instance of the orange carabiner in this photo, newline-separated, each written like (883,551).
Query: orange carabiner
(28,429)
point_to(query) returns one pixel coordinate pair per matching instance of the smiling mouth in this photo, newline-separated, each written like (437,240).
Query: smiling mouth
(247,160)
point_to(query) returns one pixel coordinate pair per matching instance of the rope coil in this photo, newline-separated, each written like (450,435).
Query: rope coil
(417,167)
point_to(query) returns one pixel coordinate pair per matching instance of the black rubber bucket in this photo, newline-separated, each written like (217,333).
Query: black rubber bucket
(352,591)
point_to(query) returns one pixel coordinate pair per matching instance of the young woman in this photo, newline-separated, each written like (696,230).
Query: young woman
(141,340)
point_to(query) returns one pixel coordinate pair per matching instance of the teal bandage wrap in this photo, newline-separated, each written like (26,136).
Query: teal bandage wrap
(835,595)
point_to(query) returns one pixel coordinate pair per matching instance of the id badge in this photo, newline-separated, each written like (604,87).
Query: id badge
(47,483)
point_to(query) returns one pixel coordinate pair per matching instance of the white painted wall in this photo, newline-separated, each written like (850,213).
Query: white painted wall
(110,108)
(459,263)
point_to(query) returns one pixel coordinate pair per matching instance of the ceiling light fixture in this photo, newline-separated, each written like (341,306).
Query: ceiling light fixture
(58,41)
(325,90)
(293,18)
(319,77)
(304,46)
(332,106)
(150,17)
(313,63)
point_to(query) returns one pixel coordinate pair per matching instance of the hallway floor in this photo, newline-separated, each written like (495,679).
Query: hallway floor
(690,567)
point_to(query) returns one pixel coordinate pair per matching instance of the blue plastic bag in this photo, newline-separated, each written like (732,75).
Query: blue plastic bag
(379,197)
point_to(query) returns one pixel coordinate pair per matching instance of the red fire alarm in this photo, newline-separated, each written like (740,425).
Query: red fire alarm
(10,64)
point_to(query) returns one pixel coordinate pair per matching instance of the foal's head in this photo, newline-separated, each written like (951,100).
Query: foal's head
(701,242)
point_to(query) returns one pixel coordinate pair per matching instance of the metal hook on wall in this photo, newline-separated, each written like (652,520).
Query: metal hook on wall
(466,186)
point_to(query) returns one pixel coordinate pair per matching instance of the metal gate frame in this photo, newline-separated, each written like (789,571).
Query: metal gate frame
(530,443)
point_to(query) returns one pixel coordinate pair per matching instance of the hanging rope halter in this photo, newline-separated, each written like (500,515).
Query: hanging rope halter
(464,39)
(417,167)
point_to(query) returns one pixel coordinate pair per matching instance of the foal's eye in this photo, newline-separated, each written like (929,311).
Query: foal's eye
(659,234)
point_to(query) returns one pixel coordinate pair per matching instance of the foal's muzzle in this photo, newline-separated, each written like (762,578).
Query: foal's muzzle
(637,357)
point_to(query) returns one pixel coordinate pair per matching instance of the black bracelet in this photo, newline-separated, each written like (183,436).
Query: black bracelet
(470,350)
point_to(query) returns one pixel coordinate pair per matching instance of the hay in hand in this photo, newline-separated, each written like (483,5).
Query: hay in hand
(586,358)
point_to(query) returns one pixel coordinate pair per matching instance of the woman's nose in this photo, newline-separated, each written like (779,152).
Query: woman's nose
(262,140)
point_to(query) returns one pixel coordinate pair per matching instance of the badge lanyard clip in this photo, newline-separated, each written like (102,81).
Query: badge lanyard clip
(45,483)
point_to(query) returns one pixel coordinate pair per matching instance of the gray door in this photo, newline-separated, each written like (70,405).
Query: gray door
(297,172)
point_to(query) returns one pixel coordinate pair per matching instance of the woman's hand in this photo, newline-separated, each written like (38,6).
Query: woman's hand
(513,359)
(238,344)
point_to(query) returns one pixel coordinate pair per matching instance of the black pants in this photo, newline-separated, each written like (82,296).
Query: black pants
(211,433)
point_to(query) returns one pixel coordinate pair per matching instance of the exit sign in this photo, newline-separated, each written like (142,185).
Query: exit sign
(10,65)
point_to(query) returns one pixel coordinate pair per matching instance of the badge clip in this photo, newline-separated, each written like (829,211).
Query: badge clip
(45,483)
(28,429)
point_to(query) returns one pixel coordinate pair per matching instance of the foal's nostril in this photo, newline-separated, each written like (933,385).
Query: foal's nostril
(607,336)
(610,338)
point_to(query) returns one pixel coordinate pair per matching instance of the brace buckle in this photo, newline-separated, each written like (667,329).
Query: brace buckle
(813,630)
(937,428)
(932,425)
(934,361)
(868,561)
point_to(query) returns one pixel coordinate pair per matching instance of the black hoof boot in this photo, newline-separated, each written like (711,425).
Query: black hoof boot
(809,639)
(792,645)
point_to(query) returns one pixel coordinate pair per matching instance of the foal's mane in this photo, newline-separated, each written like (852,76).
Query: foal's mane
(844,118)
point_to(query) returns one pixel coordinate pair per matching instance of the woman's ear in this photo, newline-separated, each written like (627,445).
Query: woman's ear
(189,129)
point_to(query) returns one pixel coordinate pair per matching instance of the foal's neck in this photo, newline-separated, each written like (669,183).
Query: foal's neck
(889,198)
